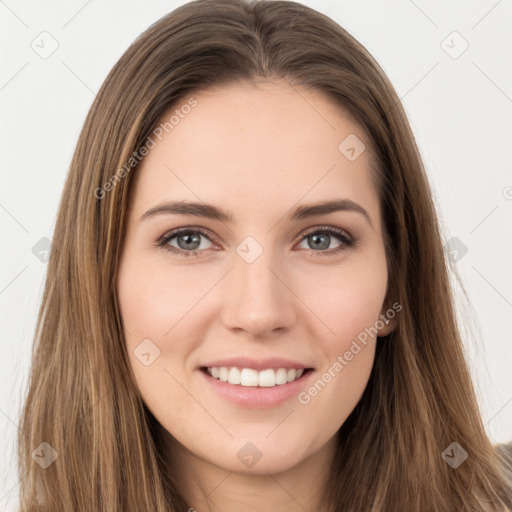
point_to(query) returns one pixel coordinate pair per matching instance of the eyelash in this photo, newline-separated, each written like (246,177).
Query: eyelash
(348,242)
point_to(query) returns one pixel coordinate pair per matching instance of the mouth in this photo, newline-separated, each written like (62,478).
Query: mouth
(249,388)
(251,377)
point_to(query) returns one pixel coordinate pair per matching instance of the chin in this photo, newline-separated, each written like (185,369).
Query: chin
(259,456)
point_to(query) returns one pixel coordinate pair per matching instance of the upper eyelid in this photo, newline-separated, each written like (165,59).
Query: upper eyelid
(208,234)
(177,231)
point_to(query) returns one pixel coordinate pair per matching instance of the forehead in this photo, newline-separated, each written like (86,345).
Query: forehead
(255,147)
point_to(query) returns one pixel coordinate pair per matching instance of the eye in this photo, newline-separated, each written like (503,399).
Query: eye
(187,241)
(320,239)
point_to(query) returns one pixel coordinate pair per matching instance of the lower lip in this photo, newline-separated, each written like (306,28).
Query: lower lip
(255,396)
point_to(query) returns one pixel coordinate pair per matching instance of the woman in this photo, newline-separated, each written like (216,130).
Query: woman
(247,304)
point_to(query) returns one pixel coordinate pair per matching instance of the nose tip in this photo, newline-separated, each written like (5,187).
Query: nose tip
(257,301)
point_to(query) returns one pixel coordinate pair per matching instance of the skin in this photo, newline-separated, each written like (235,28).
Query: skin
(257,152)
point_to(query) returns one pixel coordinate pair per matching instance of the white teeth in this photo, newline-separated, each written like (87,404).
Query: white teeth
(223,374)
(234,376)
(281,376)
(249,377)
(267,378)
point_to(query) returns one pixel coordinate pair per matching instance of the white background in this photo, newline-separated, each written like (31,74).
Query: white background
(460,110)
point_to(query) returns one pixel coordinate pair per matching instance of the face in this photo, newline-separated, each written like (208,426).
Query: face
(251,284)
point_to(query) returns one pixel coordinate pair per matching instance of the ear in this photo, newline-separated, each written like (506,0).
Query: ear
(388,319)
(389,325)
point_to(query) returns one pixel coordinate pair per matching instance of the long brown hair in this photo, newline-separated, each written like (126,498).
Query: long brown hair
(82,398)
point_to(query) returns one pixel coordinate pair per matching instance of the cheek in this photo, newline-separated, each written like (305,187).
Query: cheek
(154,301)
(351,308)
(350,302)
(338,388)
(347,301)
(153,304)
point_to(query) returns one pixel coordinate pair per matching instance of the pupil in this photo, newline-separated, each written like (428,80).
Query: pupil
(190,239)
(318,240)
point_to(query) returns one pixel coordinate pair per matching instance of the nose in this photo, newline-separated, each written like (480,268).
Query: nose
(258,299)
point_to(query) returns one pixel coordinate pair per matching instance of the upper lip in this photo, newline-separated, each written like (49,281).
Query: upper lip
(257,364)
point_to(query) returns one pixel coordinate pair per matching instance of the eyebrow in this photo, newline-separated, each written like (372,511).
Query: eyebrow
(210,211)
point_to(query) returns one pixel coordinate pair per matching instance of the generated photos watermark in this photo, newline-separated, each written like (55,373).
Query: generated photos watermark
(304,397)
(158,133)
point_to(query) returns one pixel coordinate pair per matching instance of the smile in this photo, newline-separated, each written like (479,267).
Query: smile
(267,378)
